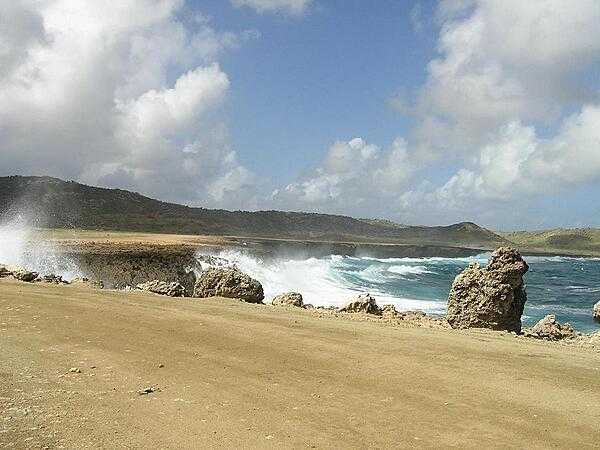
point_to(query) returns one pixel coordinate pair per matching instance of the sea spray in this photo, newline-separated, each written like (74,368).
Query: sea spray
(18,247)
(327,281)
(564,286)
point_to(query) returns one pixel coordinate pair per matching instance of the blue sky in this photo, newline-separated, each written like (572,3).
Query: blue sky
(423,112)
(309,81)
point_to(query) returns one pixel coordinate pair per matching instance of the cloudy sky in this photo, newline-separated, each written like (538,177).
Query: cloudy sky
(423,111)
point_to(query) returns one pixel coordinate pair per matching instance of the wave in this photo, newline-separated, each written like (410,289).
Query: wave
(18,249)
(329,281)
(481,258)
(408,270)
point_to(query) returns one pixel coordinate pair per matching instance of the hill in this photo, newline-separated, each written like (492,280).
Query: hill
(577,241)
(54,203)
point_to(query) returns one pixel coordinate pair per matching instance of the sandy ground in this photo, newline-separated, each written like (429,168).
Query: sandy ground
(248,376)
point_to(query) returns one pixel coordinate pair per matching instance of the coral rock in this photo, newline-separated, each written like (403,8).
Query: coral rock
(492,297)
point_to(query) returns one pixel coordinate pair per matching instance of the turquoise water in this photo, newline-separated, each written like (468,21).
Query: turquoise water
(566,287)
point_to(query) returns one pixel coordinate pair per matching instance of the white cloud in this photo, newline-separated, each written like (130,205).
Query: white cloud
(289,7)
(505,60)
(498,103)
(354,177)
(120,94)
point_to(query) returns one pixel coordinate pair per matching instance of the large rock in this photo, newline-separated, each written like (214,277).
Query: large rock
(596,312)
(4,271)
(230,283)
(25,275)
(173,289)
(492,297)
(549,329)
(363,303)
(289,299)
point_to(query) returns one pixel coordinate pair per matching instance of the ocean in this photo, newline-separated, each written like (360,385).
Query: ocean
(566,287)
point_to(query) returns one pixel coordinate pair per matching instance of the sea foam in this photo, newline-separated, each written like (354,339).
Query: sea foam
(18,248)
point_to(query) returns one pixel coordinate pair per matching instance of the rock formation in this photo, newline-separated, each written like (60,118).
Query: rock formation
(549,329)
(4,271)
(492,297)
(122,266)
(230,283)
(54,279)
(388,311)
(596,312)
(363,303)
(289,299)
(173,289)
(88,283)
(25,275)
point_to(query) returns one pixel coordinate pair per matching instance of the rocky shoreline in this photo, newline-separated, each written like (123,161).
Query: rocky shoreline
(490,298)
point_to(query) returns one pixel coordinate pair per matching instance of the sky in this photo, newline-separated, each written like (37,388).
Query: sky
(422,112)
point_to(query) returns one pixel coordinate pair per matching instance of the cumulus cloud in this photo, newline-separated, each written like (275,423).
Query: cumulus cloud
(517,161)
(119,94)
(354,177)
(502,60)
(499,100)
(288,7)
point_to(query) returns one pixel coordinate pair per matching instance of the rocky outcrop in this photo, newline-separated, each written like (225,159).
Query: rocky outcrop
(596,312)
(551,330)
(4,271)
(88,283)
(122,266)
(230,283)
(25,275)
(289,299)
(54,279)
(172,289)
(363,303)
(388,311)
(492,297)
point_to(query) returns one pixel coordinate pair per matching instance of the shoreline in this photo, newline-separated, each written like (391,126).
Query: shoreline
(75,239)
(233,374)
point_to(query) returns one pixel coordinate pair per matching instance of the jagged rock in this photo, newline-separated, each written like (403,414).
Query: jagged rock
(230,283)
(492,297)
(363,303)
(289,299)
(412,314)
(4,271)
(549,329)
(25,275)
(388,311)
(596,312)
(87,282)
(51,278)
(173,289)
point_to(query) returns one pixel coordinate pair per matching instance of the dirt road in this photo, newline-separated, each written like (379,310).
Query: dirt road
(232,375)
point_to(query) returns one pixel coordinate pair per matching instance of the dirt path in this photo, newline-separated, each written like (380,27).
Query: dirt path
(247,376)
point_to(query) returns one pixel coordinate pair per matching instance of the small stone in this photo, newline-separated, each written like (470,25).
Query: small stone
(173,289)
(160,366)
(551,330)
(148,390)
(289,299)
(75,370)
(363,303)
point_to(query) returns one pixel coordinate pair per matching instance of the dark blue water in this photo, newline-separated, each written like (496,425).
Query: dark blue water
(566,287)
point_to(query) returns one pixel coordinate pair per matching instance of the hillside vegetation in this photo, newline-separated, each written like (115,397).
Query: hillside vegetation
(53,203)
(580,241)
